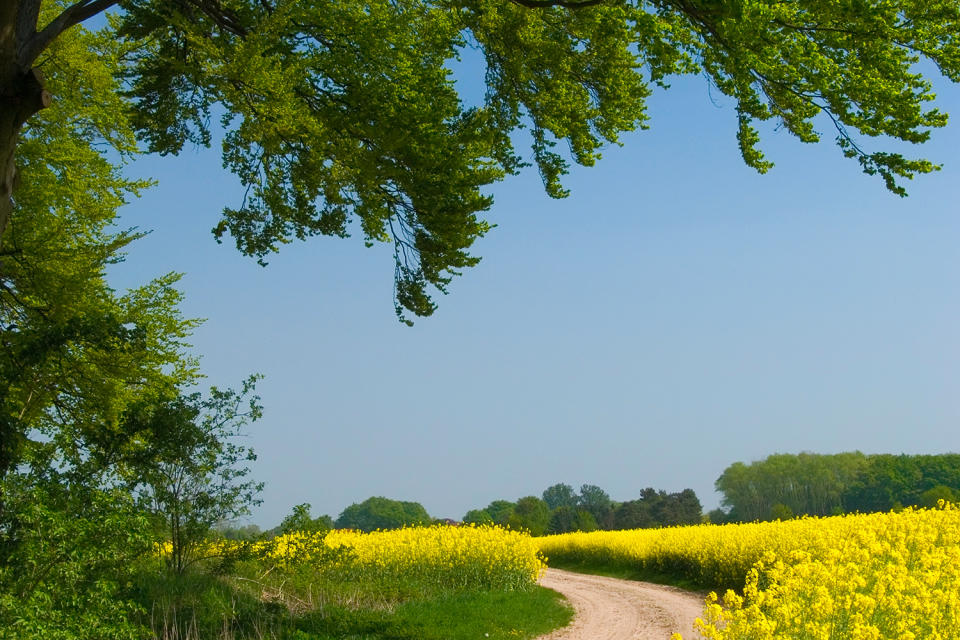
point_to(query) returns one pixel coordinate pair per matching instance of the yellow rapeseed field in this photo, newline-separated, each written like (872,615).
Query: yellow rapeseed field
(467,557)
(857,577)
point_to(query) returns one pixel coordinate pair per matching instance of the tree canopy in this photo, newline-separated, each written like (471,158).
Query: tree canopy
(378,512)
(343,117)
(818,484)
(74,352)
(562,510)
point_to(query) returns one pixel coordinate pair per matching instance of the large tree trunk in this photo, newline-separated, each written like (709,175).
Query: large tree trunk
(21,96)
(21,90)
(9,135)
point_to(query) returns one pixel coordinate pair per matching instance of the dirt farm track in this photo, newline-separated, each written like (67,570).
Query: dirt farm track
(613,609)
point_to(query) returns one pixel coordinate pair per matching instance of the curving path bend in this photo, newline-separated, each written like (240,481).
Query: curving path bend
(613,609)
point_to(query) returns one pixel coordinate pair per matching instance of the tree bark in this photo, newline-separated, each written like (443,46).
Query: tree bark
(21,96)
(21,92)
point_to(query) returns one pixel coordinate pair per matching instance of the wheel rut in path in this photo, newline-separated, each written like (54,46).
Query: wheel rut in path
(614,609)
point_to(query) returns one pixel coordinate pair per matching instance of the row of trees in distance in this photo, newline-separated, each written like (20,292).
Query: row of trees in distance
(785,485)
(560,509)
(779,487)
(373,513)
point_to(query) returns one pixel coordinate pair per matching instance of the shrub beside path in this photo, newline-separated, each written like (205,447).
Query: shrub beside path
(614,609)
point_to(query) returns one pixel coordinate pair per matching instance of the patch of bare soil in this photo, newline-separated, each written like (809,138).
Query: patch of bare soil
(614,609)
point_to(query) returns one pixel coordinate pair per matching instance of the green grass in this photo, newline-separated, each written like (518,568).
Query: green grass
(613,570)
(465,616)
(244,605)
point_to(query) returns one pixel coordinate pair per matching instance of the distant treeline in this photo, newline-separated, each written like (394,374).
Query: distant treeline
(781,486)
(560,509)
(787,485)
(373,513)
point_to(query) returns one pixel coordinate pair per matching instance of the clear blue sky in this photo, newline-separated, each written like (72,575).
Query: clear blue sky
(677,313)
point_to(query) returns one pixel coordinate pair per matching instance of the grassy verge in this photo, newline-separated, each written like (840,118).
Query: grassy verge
(493,615)
(245,604)
(624,572)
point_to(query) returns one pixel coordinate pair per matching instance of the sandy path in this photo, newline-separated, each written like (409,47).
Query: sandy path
(612,609)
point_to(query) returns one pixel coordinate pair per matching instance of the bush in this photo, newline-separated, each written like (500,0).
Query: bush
(73,548)
(382,513)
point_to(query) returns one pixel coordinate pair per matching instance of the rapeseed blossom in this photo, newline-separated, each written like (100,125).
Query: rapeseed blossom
(468,557)
(856,577)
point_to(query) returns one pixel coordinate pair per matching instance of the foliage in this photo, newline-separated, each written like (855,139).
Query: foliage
(560,495)
(248,532)
(302,603)
(716,516)
(73,352)
(531,514)
(935,495)
(565,519)
(477,516)
(186,467)
(311,107)
(814,484)
(598,503)
(74,548)
(658,509)
(378,512)
(888,480)
(500,511)
(346,114)
(301,520)
(590,510)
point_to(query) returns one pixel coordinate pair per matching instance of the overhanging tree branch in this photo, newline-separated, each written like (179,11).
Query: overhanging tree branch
(27,15)
(31,48)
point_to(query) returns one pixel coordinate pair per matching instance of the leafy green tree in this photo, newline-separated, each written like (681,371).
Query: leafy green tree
(585,521)
(890,480)
(477,516)
(186,466)
(804,483)
(565,518)
(560,495)
(716,516)
(382,513)
(682,508)
(597,502)
(244,533)
(73,352)
(75,547)
(780,511)
(562,520)
(814,484)
(658,509)
(531,514)
(335,112)
(301,520)
(931,497)
(501,510)
(633,514)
